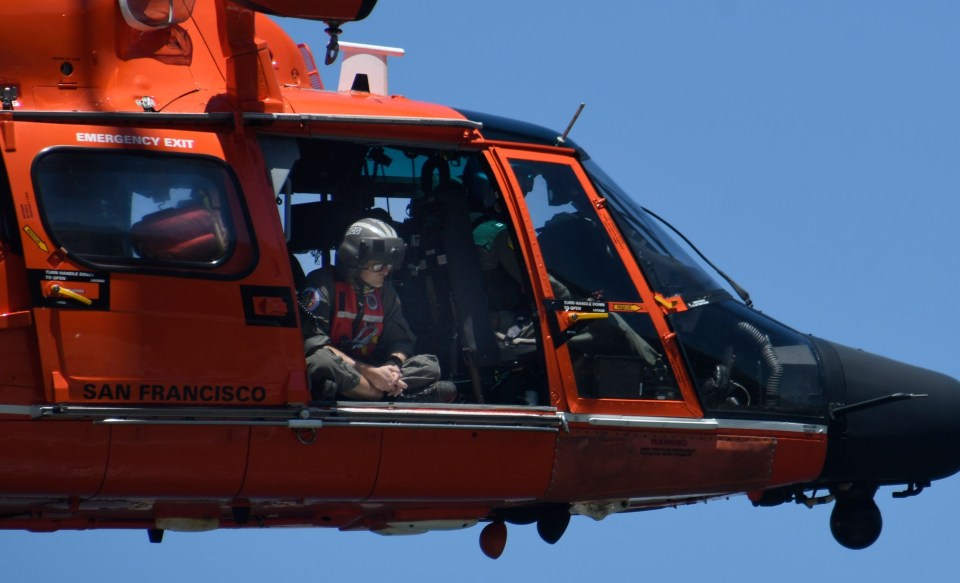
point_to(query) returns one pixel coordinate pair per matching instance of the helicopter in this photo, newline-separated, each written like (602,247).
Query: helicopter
(162,202)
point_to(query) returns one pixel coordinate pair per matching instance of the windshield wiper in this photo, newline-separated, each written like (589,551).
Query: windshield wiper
(736,287)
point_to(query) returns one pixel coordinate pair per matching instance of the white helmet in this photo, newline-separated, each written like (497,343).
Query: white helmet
(366,241)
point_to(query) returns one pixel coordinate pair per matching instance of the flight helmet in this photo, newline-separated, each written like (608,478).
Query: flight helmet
(368,240)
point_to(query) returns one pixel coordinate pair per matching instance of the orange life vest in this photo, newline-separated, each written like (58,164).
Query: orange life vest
(356,327)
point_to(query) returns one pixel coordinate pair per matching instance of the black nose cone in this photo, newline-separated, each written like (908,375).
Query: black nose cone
(883,431)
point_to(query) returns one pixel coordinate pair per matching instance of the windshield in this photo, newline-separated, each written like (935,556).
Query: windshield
(741,361)
(664,258)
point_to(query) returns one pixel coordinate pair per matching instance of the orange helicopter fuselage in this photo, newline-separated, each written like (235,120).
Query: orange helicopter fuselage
(170,391)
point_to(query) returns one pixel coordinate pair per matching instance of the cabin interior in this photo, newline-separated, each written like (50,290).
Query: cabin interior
(473,310)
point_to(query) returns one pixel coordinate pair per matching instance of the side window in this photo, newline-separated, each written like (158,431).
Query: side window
(110,209)
(618,355)
(8,218)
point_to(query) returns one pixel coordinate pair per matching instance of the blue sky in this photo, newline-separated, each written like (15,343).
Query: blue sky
(809,148)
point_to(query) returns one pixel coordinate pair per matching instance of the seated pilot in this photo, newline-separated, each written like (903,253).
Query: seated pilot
(358,344)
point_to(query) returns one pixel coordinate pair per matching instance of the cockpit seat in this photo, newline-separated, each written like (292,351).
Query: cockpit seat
(480,344)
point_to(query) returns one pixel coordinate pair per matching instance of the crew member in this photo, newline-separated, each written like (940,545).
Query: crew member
(502,280)
(357,342)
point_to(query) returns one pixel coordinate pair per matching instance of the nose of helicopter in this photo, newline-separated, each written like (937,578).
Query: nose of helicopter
(892,423)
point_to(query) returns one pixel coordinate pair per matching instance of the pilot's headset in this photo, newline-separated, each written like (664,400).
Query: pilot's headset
(368,241)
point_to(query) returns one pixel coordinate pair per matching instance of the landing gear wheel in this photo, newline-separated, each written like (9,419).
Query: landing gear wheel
(553,524)
(856,522)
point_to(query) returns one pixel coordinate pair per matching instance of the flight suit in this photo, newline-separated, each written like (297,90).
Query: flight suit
(366,324)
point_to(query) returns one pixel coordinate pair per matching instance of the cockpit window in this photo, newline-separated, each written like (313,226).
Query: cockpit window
(574,243)
(744,362)
(668,266)
(615,351)
(741,362)
(116,209)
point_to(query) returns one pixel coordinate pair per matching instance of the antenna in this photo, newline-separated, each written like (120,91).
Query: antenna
(563,138)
